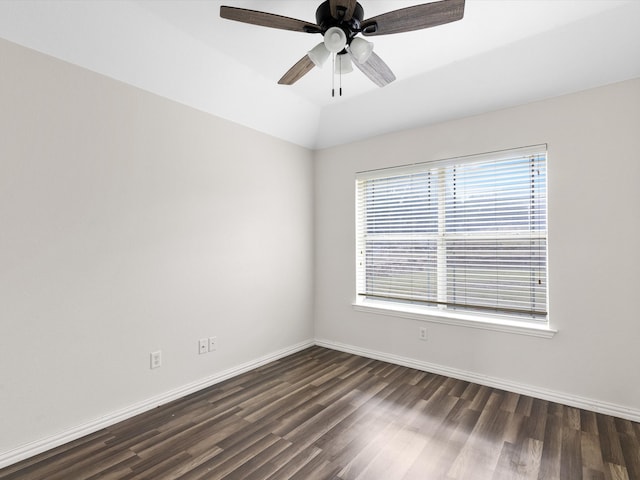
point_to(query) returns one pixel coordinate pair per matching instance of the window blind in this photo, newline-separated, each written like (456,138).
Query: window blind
(463,234)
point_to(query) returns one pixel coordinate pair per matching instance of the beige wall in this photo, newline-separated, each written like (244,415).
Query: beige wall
(593,142)
(128,224)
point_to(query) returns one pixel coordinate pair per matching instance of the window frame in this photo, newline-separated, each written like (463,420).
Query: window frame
(503,321)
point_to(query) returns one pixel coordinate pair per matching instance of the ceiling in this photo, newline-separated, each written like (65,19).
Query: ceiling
(502,53)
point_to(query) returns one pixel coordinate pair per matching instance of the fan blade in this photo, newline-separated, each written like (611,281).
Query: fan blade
(375,68)
(348,5)
(299,70)
(414,18)
(268,20)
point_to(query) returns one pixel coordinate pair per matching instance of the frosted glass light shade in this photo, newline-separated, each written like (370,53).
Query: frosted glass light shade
(361,49)
(343,64)
(335,39)
(319,54)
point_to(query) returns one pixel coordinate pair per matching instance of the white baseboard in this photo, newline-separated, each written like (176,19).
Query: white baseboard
(39,446)
(532,391)
(28,450)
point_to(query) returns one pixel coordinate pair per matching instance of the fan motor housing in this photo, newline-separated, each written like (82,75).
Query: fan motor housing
(351,27)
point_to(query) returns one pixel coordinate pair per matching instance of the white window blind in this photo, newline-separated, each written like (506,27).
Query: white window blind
(465,234)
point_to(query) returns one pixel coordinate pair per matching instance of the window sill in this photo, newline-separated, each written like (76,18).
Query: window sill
(462,320)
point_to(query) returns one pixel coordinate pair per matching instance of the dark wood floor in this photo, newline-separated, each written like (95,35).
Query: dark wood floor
(322,414)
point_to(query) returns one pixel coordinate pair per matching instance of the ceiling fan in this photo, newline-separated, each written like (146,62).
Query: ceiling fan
(340,22)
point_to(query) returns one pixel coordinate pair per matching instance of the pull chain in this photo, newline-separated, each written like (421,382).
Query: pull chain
(340,77)
(333,77)
(336,58)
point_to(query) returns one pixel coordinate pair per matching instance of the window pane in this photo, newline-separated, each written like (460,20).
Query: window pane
(401,269)
(467,234)
(400,205)
(502,196)
(502,273)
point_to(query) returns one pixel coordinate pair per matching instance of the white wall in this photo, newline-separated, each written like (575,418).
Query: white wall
(130,223)
(593,142)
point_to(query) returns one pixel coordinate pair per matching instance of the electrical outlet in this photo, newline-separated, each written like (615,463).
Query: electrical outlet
(423,333)
(156,359)
(203,346)
(213,344)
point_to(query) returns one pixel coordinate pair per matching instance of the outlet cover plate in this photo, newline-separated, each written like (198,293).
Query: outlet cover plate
(423,333)
(156,359)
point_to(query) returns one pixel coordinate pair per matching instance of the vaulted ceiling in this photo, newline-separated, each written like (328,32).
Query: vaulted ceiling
(502,53)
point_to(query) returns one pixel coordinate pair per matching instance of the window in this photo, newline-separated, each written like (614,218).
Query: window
(466,236)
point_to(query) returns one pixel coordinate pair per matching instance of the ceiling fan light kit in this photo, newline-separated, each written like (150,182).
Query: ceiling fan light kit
(335,39)
(319,54)
(361,50)
(339,22)
(343,65)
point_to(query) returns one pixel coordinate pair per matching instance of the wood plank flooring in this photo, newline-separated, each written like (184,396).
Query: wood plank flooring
(327,415)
